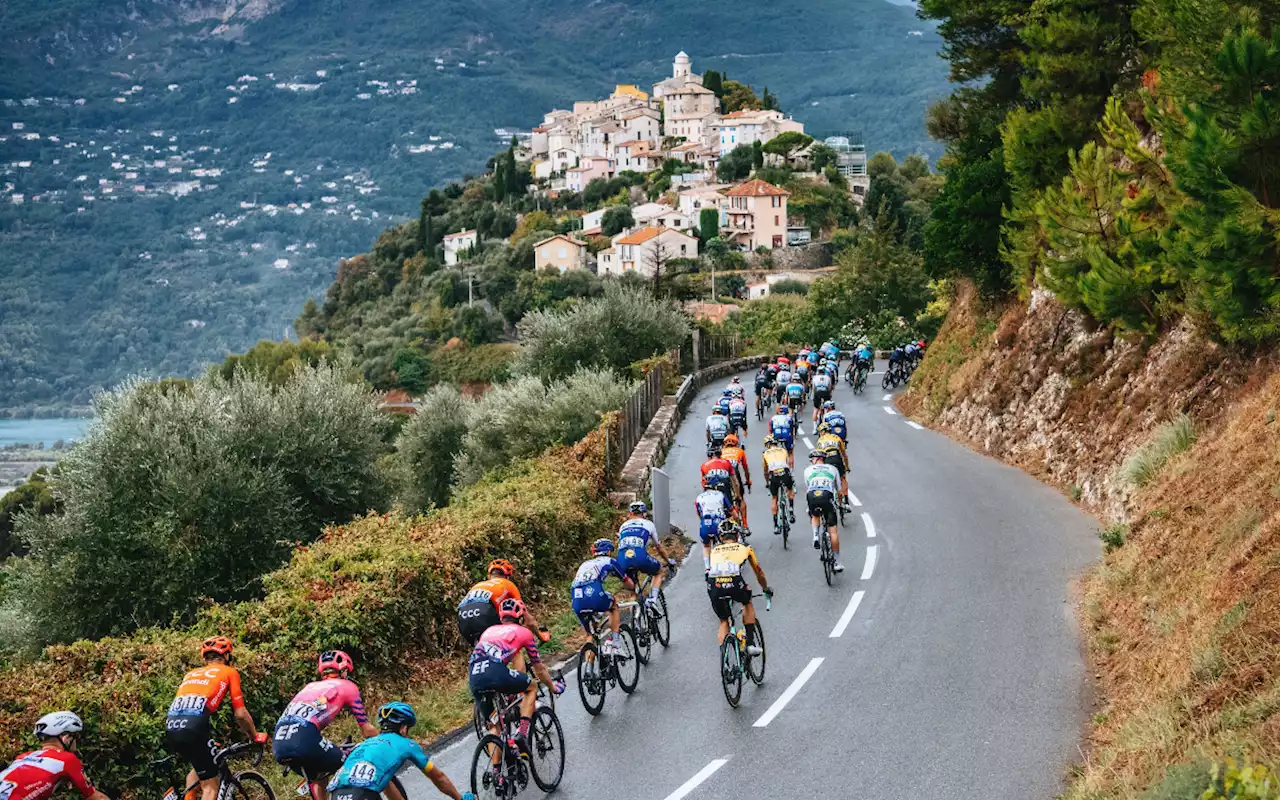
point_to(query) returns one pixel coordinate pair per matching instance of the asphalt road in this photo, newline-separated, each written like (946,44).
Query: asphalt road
(958,673)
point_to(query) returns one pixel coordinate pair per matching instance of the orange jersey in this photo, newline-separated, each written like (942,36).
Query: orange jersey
(203,691)
(495,590)
(738,457)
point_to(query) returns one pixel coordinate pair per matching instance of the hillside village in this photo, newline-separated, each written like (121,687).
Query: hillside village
(680,129)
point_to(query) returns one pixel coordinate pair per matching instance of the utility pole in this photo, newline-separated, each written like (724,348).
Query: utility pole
(469,295)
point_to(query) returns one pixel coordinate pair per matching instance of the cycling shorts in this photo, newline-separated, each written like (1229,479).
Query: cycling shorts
(638,560)
(191,739)
(836,461)
(779,481)
(354,793)
(820,397)
(795,403)
(476,618)
(738,421)
(302,746)
(592,600)
(781,392)
(822,504)
(491,675)
(787,442)
(709,529)
(722,596)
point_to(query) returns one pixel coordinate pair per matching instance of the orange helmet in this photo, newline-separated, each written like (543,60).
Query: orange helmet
(504,566)
(217,645)
(731,440)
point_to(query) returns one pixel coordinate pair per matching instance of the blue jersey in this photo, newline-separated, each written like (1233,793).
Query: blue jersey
(636,533)
(780,426)
(867,354)
(795,390)
(374,762)
(593,572)
(723,404)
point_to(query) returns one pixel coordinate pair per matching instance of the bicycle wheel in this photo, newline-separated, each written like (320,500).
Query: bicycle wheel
(827,560)
(250,785)
(477,721)
(756,664)
(625,663)
(644,633)
(731,670)
(546,749)
(659,622)
(886,382)
(487,779)
(591,682)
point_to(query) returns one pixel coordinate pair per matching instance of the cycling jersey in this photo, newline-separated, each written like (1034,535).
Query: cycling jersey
(780,427)
(795,390)
(784,377)
(35,775)
(717,472)
(762,381)
(802,369)
(775,460)
(821,478)
(722,403)
(320,702)
(203,690)
(738,458)
(727,560)
(493,591)
(867,354)
(822,383)
(737,408)
(717,427)
(838,426)
(831,444)
(374,762)
(737,389)
(712,509)
(636,532)
(502,642)
(593,572)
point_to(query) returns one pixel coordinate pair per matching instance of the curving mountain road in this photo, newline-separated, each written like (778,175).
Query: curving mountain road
(943,663)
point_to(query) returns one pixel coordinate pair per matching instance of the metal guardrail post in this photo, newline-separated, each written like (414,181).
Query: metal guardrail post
(660,493)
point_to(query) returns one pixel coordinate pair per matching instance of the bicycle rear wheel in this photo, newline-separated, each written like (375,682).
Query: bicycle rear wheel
(828,562)
(731,670)
(252,786)
(487,779)
(644,632)
(886,382)
(625,663)
(546,749)
(591,682)
(756,664)
(660,623)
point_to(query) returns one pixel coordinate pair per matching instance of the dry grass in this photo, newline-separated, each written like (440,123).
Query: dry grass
(1140,468)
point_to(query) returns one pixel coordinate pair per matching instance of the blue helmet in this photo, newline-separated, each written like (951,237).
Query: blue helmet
(602,547)
(393,715)
(726,393)
(638,507)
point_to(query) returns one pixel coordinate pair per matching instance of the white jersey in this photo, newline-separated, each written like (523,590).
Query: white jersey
(737,389)
(784,377)
(717,426)
(636,533)
(710,505)
(822,382)
(821,477)
(737,407)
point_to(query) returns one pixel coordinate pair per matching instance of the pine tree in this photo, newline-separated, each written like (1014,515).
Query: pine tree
(714,81)
(424,227)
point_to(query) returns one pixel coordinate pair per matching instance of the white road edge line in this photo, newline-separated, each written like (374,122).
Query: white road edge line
(889,410)
(787,697)
(871,526)
(869,566)
(847,616)
(888,397)
(696,780)
(807,443)
(853,498)
(915,425)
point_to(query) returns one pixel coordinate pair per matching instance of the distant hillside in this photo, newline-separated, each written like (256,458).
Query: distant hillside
(189,171)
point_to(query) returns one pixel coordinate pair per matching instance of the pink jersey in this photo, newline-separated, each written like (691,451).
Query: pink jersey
(320,702)
(502,642)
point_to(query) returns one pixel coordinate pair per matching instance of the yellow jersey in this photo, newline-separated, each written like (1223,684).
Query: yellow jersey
(727,560)
(775,460)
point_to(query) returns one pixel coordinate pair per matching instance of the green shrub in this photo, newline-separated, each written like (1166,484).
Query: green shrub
(1142,466)
(1181,782)
(1113,536)
(1232,781)
(485,363)
(175,496)
(427,447)
(384,588)
(278,361)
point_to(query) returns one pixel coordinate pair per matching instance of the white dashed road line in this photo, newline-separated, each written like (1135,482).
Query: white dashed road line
(853,498)
(888,397)
(869,567)
(807,444)
(847,616)
(889,410)
(787,697)
(696,780)
(871,526)
(915,425)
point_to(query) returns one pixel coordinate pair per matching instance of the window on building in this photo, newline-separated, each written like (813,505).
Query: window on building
(546,252)
(775,220)
(564,252)
(682,249)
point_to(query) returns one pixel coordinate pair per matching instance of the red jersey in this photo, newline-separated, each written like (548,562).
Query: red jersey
(35,775)
(717,468)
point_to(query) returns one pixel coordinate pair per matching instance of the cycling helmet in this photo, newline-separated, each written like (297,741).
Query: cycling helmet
(51,726)
(715,449)
(602,547)
(717,410)
(815,455)
(729,529)
(828,405)
(511,608)
(638,507)
(731,440)
(769,441)
(502,566)
(726,393)
(395,714)
(784,360)
(735,380)
(824,427)
(216,646)
(335,661)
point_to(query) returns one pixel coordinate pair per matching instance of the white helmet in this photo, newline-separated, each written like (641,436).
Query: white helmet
(58,723)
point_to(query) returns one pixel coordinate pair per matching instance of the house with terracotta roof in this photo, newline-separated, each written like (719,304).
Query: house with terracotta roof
(643,251)
(757,216)
(561,252)
(456,245)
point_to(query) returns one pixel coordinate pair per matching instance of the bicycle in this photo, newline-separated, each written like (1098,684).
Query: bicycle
(782,521)
(309,787)
(654,621)
(230,784)
(735,661)
(598,671)
(481,724)
(826,554)
(860,378)
(497,770)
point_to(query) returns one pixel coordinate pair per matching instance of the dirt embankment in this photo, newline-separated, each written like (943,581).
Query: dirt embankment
(1182,618)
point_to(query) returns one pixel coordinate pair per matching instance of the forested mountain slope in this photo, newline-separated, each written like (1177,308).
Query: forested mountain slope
(179,176)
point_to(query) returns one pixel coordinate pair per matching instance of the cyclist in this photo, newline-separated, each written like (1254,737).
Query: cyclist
(634,537)
(795,396)
(784,379)
(722,402)
(837,422)
(370,767)
(479,607)
(896,358)
(187,729)
(499,662)
(589,594)
(35,775)
(736,389)
(782,427)
(718,474)
(830,351)
(726,584)
(822,386)
(738,413)
(832,447)
(803,367)
(717,427)
(712,509)
(865,353)
(777,466)
(764,386)
(772,368)
(820,482)
(735,454)
(299,740)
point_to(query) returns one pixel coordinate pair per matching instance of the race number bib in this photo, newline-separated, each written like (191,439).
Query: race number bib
(6,789)
(187,705)
(362,774)
(634,542)
(301,711)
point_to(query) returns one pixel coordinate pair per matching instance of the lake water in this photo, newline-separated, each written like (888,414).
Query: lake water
(33,431)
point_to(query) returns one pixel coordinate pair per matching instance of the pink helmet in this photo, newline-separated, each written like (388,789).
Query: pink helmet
(511,608)
(337,661)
